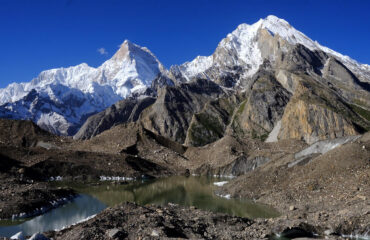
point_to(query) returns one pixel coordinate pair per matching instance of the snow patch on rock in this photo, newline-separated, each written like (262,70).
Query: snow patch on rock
(273,136)
(220,184)
(227,196)
(325,146)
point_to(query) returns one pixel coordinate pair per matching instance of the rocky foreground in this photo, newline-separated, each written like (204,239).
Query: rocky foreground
(321,188)
(330,191)
(132,221)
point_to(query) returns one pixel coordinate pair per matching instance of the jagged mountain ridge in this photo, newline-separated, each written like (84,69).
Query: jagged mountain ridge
(262,80)
(67,96)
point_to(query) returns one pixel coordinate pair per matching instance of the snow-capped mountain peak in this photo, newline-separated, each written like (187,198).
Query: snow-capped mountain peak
(240,48)
(75,92)
(132,67)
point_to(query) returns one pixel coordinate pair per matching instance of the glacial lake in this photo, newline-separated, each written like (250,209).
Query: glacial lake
(93,198)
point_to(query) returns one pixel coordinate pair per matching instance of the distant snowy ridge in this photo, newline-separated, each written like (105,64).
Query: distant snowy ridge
(243,42)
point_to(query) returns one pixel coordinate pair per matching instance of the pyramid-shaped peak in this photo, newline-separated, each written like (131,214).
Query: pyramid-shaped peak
(127,48)
(138,63)
(127,44)
(123,51)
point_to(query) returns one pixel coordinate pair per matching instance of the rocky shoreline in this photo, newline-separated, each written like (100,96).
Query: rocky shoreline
(301,220)
(20,200)
(131,221)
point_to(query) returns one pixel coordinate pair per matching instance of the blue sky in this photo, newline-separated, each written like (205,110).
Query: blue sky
(42,34)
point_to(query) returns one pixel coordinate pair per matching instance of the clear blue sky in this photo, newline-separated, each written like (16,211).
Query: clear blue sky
(38,35)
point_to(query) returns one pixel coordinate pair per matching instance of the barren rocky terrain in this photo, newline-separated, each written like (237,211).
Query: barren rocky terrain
(327,193)
(331,190)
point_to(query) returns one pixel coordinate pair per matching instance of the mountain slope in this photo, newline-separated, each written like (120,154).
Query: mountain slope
(61,99)
(127,110)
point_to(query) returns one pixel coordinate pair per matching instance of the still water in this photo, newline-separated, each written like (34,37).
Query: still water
(186,191)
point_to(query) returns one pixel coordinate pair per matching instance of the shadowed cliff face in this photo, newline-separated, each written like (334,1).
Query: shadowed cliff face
(127,110)
(174,108)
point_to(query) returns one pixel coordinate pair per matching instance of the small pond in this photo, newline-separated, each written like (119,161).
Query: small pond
(93,198)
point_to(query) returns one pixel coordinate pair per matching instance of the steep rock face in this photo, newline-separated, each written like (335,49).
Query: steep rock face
(323,68)
(300,58)
(67,96)
(173,110)
(326,96)
(340,78)
(313,122)
(315,113)
(127,110)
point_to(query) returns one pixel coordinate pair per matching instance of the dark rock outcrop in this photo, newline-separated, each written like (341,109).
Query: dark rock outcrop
(174,108)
